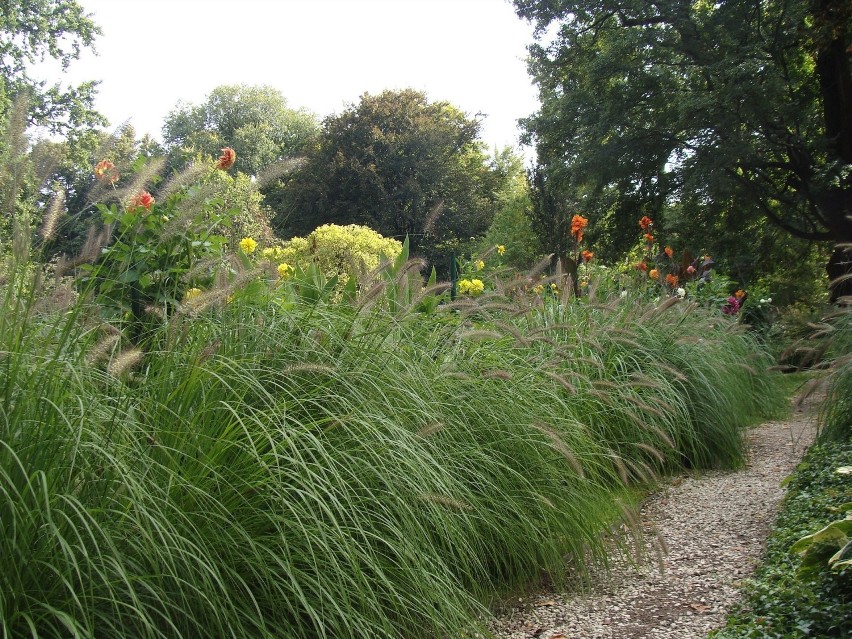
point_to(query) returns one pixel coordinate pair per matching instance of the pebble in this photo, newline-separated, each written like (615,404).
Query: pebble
(714,526)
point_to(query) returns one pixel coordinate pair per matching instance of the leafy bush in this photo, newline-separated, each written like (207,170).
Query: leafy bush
(341,251)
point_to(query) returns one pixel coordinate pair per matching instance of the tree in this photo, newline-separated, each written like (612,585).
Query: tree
(727,112)
(30,32)
(253,120)
(399,164)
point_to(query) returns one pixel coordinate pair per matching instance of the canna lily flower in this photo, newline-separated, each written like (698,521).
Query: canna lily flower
(668,251)
(578,223)
(740,294)
(105,171)
(248,245)
(649,238)
(671,280)
(142,200)
(587,256)
(645,222)
(641,266)
(227,159)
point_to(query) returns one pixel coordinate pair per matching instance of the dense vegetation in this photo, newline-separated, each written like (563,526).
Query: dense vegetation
(222,416)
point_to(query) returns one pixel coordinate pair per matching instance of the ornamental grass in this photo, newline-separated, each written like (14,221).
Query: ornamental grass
(336,470)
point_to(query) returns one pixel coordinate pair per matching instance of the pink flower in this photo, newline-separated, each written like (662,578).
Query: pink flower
(732,307)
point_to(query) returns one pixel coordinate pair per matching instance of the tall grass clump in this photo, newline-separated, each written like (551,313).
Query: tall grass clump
(281,456)
(332,470)
(836,417)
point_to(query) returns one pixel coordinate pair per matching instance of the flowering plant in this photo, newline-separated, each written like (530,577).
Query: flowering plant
(155,255)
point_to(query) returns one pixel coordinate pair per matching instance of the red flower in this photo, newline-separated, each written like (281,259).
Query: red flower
(672,280)
(668,251)
(645,222)
(587,256)
(578,223)
(227,159)
(142,200)
(649,238)
(641,266)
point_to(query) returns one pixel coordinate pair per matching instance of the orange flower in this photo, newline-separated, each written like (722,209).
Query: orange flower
(106,172)
(142,200)
(668,251)
(641,266)
(649,238)
(578,223)
(587,256)
(654,274)
(739,294)
(672,280)
(227,159)
(645,222)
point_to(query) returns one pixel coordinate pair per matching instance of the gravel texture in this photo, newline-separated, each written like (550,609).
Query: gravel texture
(710,533)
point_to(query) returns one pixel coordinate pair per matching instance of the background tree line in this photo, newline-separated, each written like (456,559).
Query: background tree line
(730,124)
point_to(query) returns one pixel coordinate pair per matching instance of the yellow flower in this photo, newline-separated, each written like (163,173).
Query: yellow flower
(480,265)
(554,287)
(471,287)
(538,289)
(248,245)
(191,294)
(501,249)
(284,270)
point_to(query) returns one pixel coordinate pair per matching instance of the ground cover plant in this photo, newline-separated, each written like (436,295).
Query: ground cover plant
(782,599)
(803,587)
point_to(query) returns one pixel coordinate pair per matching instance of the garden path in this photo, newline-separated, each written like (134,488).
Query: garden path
(713,528)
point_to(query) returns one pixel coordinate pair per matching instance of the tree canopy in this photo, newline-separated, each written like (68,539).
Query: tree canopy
(253,120)
(707,116)
(399,164)
(32,31)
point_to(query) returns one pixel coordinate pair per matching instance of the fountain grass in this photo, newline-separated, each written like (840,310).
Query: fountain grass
(322,470)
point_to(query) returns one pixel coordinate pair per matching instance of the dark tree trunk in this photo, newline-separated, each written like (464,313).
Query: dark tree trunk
(833,40)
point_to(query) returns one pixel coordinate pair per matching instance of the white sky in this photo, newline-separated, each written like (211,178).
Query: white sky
(321,54)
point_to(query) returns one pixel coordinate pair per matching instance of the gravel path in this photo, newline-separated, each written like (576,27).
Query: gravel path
(712,529)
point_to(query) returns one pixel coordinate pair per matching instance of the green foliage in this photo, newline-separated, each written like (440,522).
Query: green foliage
(285,465)
(159,251)
(783,601)
(837,414)
(719,120)
(511,226)
(830,546)
(397,163)
(253,120)
(342,251)
(30,32)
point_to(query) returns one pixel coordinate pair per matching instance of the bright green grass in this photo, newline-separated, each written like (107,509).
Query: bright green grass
(336,471)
